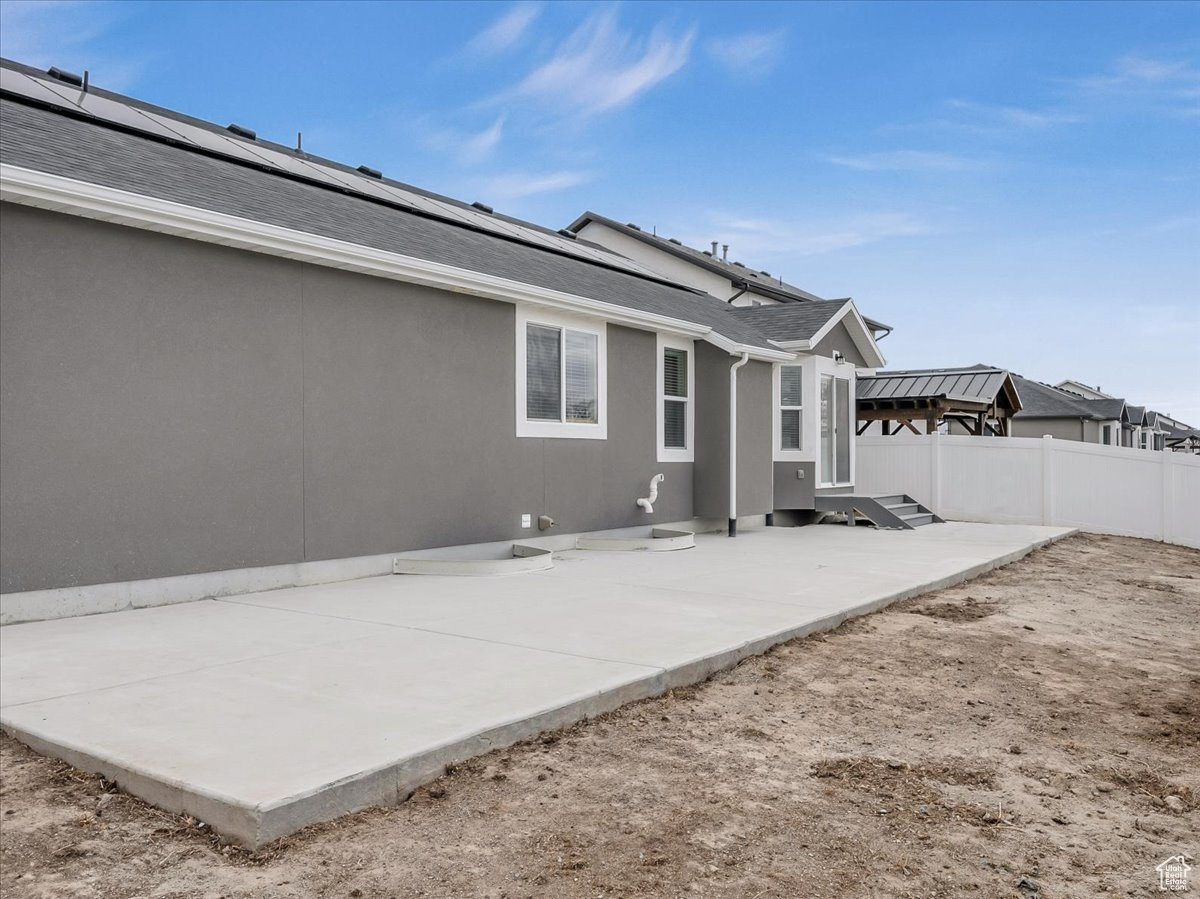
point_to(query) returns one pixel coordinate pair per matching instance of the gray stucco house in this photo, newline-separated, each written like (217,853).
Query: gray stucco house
(224,354)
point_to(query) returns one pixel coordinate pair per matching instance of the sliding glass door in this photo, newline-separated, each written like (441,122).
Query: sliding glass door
(836,432)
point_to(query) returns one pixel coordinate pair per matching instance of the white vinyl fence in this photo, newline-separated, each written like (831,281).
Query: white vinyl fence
(1030,480)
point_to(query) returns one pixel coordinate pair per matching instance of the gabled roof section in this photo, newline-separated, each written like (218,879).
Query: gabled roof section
(793,321)
(955,385)
(801,326)
(758,281)
(113,143)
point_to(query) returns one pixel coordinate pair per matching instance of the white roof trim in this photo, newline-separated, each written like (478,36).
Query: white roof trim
(861,335)
(67,195)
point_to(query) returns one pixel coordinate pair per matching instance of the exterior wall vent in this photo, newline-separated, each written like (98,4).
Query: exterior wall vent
(234,128)
(369,172)
(64,76)
(484,207)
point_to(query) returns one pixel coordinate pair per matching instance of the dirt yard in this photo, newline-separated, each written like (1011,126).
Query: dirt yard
(1033,732)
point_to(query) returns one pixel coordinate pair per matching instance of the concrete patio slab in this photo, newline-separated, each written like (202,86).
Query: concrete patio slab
(266,712)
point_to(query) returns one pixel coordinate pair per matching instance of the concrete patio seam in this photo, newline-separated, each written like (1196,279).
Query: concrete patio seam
(428,630)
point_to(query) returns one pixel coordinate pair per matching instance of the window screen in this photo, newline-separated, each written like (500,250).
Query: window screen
(675,391)
(790,403)
(543,374)
(581,376)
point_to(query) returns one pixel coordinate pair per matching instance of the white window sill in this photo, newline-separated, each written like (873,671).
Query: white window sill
(562,430)
(676,455)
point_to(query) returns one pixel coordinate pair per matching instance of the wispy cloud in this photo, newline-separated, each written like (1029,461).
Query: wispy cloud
(762,240)
(466,147)
(600,67)
(481,145)
(906,161)
(516,185)
(1170,85)
(989,115)
(506,32)
(747,55)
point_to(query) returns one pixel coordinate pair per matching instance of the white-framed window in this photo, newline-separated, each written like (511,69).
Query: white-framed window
(676,416)
(562,375)
(791,408)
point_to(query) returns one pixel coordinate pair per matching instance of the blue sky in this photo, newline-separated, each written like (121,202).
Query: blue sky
(1017,184)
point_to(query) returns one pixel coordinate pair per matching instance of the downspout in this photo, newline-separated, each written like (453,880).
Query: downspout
(733,370)
(745,287)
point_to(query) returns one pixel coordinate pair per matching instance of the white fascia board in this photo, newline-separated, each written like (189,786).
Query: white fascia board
(73,197)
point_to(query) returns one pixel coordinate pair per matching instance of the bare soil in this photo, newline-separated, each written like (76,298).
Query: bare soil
(1034,732)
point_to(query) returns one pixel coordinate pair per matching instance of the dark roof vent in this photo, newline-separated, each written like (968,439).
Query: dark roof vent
(234,128)
(739,265)
(677,243)
(484,207)
(768,274)
(633,226)
(565,233)
(65,76)
(370,172)
(707,252)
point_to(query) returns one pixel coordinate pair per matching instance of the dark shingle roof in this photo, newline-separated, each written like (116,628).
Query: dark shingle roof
(1043,401)
(965,384)
(50,141)
(791,321)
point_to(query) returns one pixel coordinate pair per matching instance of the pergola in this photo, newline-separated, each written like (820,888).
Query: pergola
(980,401)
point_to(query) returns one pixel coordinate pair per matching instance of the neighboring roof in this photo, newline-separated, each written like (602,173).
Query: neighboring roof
(969,385)
(1137,414)
(791,321)
(759,281)
(1043,401)
(45,131)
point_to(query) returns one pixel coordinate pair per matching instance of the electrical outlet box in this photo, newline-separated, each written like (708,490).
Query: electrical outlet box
(527,521)
(799,474)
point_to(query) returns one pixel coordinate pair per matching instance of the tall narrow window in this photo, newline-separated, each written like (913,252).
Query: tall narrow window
(543,373)
(675,398)
(791,407)
(581,376)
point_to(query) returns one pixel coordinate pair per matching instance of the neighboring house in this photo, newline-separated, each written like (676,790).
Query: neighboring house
(977,401)
(222,353)
(1068,416)
(1084,390)
(704,270)
(814,427)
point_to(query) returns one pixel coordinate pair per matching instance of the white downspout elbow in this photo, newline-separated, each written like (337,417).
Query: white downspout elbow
(647,502)
(733,370)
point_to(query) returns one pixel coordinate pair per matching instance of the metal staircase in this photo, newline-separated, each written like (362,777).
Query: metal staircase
(898,510)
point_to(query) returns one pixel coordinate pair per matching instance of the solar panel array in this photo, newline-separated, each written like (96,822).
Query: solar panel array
(212,139)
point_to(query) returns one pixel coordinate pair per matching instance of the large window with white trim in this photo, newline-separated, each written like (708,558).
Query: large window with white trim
(560,377)
(676,415)
(791,407)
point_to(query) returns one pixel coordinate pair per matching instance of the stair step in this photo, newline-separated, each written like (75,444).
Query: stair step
(893,499)
(916,521)
(903,509)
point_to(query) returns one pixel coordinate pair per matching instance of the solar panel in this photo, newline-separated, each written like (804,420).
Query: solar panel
(135,118)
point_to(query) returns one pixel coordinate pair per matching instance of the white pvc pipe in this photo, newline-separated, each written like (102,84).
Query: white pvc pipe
(647,502)
(733,370)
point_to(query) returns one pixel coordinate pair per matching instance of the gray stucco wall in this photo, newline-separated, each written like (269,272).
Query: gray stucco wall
(712,435)
(169,407)
(839,339)
(1060,428)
